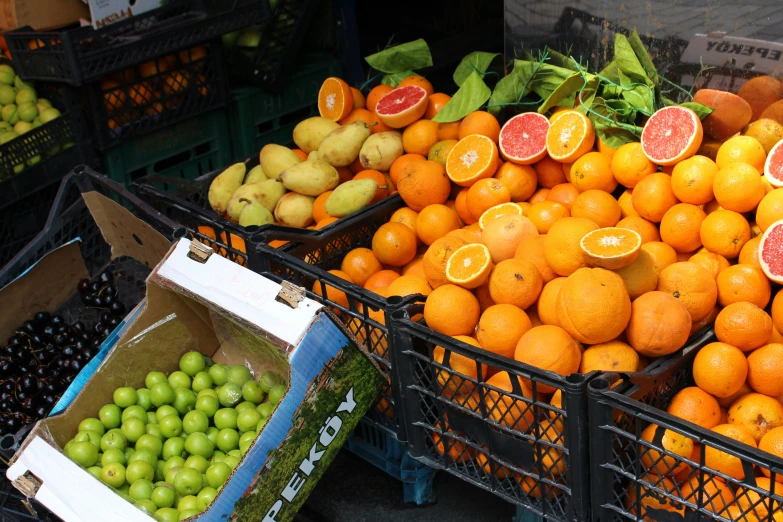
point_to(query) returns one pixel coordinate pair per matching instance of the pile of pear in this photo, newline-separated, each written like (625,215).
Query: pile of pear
(283,188)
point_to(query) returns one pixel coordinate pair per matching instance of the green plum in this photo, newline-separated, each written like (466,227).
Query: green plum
(166,515)
(252,392)
(184,400)
(195,421)
(144,398)
(269,380)
(134,411)
(188,481)
(173,462)
(247,420)
(265,409)
(228,439)
(84,453)
(173,447)
(154,378)
(226,418)
(165,411)
(197,462)
(164,495)
(192,363)
(276,394)
(230,394)
(179,380)
(112,455)
(207,404)
(139,470)
(133,429)
(170,426)
(198,444)
(202,381)
(219,374)
(125,396)
(92,424)
(239,375)
(113,475)
(140,489)
(146,506)
(150,443)
(218,474)
(161,394)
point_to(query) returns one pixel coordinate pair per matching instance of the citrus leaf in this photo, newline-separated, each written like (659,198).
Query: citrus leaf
(607,127)
(638,94)
(469,97)
(702,111)
(627,62)
(588,95)
(475,61)
(410,55)
(561,60)
(568,88)
(610,72)
(644,58)
(395,79)
(507,91)
(548,78)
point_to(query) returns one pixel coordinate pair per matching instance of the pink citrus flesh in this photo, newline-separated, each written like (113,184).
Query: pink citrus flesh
(773,167)
(671,135)
(771,252)
(402,106)
(523,138)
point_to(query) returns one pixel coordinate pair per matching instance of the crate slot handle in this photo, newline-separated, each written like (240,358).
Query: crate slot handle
(28,484)
(290,294)
(200,252)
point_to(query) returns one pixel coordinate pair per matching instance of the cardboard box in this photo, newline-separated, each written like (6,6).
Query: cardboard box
(41,15)
(106,12)
(235,316)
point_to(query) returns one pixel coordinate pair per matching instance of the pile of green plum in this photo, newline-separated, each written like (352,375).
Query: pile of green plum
(169,447)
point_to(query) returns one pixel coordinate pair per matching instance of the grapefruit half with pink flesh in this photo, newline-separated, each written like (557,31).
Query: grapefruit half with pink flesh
(671,135)
(402,106)
(771,252)
(523,138)
(773,167)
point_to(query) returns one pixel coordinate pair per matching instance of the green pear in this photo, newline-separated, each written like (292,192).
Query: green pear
(341,147)
(22,126)
(224,185)
(5,137)
(49,114)
(255,214)
(28,112)
(312,156)
(5,127)
(380,150)
(295,210)
(311,178)
(21,84)
(7,75)
(274,159)
(7,94)
(44,102)
(255,175)
(10,114)
(26,96)
(266,193)
(351,197)
(309,133)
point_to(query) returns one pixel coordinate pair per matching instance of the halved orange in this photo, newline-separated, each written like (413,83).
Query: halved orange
(335,99)
(611,247)
(469,266)
(570,136)
(474,157)
(497,211)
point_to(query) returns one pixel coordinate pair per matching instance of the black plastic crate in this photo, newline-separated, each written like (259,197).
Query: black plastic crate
(282,32)
(625,468)
(83,54)
(156,94)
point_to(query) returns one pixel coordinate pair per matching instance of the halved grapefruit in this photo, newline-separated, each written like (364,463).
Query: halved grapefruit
(771,252)
(335,99)
(611,247)
(671,135)
(402,106)
(773,167)
(523,138)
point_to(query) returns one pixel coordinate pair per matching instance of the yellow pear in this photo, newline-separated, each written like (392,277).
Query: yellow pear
(224,185)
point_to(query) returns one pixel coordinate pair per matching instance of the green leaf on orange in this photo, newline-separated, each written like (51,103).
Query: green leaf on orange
(608,128)
(395,79)
(469,97)
(702,111)
(410,55)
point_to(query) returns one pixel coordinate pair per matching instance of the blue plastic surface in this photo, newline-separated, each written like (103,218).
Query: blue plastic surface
(525,515)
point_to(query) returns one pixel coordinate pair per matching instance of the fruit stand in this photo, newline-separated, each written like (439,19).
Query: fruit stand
(263,263)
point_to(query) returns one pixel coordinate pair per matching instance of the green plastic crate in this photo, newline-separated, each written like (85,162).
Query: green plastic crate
(258,118)
(185,150)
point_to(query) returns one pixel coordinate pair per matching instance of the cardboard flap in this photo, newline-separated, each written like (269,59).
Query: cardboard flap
(56,276)
(127,234)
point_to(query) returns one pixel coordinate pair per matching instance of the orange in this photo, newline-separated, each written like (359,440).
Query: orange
(400,163)
(570,137)
(743,283)
(419,137)
(720,369)
(777,311)
(415,267)
(319,206)
(550,172)
(641,276)
(598,206)
(360,264)
(423,183)
(692,285)
(332,294)
(760,92)
(435,103)
(776,337)
(473,158)
(764,369)
(376,94)
(681,225)
(302,155)
(480,122)
(461,207)
(469,266)
(140,93)
(653,196)
(434,222)
(772,443)
(406,216)
(383,186)
(497,211)
(328,220)
(660,463)
(757,413)
(544,214)
(562,249)
(449,131)
(394,244)
(366,116)
(515,282)
(611,248)
(659,324)
(767,131)
(409,285)
(501,327)
(452,310)
(503,408)
(550,348)
(711,493)
(418,81)
(485,300)
(358,98)
(592,171)
(335,99)
(452,449)
(697,406)
(757,505)
(564,193)
(503,235)
(745,326)
(454,382)
(692,180)
(485,194)
(629,164)
(723,462)
(741,149)
(440,151)
(646,229)
(714,263)
(738,187)
(724,232)
(605,149)
(770,209)
(532,249)
(653,502)
(380,280)
(612,356)
(547,301)
(520,180)
(437,256)
(538,196)
(593,305)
